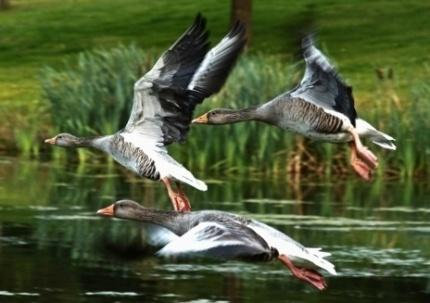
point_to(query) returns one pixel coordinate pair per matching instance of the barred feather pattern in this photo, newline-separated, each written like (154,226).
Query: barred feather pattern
(306,113)
(133,158)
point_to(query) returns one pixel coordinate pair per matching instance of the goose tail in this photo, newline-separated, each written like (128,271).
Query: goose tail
(170,167)
(183,175)
(377,137)
(317,257)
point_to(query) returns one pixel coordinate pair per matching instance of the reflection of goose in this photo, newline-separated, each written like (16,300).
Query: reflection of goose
(218,234)
(164,100)
(320,107)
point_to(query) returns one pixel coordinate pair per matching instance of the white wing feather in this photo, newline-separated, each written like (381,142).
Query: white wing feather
(197,241)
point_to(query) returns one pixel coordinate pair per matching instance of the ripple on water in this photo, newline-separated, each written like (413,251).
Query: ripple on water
(274,201)
(13,240)
(341,223)
(205,301)
(11,294)
(393,262)
(113,293)
(83,216)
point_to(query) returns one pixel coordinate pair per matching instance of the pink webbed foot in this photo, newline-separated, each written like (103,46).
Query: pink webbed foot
(367,156)
(363,160)
(362,169)
(307,275)
(182,203)
(178,198)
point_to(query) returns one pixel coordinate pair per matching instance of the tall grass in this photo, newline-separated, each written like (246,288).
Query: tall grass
(27,127)
(94,96)
(407,120)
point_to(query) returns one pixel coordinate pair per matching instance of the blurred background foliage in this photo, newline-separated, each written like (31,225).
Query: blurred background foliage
(70,66)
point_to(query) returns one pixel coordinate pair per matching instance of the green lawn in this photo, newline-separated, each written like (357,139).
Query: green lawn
(360,36)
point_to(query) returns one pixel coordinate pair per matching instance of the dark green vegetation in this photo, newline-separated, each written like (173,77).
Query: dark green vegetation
(54,249)
(360,36)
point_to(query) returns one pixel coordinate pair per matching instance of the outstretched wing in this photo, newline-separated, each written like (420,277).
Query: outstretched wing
(214,240)
(174,68)
(322,85)
(166,96)
(219,61)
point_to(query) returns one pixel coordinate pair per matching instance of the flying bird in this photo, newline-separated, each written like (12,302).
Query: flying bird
(223,235)
(163,104)
(321,107)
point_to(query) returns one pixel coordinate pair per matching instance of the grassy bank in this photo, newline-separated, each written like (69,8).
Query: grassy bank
(360,35)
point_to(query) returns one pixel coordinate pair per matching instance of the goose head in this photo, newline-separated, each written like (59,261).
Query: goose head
(64,140)
(125,209)
(218,116)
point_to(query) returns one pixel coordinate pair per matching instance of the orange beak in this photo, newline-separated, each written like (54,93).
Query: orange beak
(107,211)
(52,141)
(203,119)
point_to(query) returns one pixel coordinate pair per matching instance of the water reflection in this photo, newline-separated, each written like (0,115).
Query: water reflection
(52,247)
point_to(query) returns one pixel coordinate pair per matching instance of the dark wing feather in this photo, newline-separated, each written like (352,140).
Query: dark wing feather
(207,80)
(174,68)
(219,61)
(181,60)
(167,95)
(322,85)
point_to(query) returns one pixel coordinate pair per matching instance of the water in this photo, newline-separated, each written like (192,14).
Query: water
(54,249)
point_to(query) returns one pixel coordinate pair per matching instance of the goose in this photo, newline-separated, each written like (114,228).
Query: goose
(163,103)
(223,235)
(321,107)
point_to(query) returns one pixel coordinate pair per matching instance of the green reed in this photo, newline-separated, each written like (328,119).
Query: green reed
(407,120)
(28,125)
(94,96)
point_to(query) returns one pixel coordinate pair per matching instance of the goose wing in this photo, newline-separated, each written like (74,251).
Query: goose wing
(301,255)
(218,240)
(322,85)
(186,73)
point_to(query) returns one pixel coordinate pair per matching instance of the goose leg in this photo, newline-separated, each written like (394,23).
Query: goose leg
(171,192)
(183,202)
(362,153)
(179,201)
(307,275)
(360,167)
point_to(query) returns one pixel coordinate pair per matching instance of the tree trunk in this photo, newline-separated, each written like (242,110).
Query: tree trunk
(242,10)
(4,4)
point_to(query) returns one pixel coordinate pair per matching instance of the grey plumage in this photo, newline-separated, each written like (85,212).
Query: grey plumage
(322,85)
(228,235)
(297,112)
(219,234)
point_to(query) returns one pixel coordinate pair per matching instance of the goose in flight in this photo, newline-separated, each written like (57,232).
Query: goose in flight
(321,107)
(223,235)
(163,104)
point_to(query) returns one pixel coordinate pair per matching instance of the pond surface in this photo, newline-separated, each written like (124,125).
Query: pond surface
(54,249)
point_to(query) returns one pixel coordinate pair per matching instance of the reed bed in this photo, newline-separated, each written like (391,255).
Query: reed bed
(94,96)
